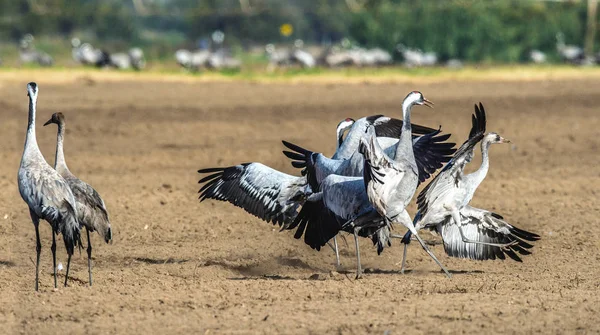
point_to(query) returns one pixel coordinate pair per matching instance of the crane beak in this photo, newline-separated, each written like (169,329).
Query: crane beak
(504,140)
(48,122)
(428,103)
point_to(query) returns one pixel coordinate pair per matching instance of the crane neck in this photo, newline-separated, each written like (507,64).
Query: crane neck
(481,173)
(340,137)
(59,160)
(405,143)
(31,146)
(406,109)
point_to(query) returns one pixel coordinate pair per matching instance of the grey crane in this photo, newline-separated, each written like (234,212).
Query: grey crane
(391,183)
(537,56)
(192,60)
(341,203)
(86,54)
(91,210)
(29,54)
(569,53)
(432,152)
(46,193)
(133,58)
(468,232)
(416,57)
(221,59)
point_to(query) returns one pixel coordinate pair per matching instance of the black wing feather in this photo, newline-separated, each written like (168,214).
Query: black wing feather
(317,223)
(303,159)
(393,127)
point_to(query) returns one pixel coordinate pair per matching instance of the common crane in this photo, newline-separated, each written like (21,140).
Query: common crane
(29,54)
(47,194)
(391,182)
(192,60)
(133,58)
(91,210)
(86,54)
(341,203)
(468,232)
(569,53)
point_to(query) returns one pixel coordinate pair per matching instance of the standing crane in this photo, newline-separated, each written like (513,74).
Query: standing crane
(391,183)
(569,53)
(47,194)
(91,210)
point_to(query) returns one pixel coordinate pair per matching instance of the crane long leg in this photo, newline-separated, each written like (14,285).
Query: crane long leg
(53,248)
(358,266)
(337,251)
(89,253)
(431,254)
(403,253)
(407,222)
(38,248)
(404,259)
(68,266)
(458,222)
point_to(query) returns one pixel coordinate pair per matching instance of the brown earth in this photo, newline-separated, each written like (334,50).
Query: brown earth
(179,266)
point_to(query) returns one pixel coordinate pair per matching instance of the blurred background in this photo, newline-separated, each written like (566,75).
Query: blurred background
(268,34)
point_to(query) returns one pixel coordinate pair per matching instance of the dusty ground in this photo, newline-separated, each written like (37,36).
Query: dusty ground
(179,266)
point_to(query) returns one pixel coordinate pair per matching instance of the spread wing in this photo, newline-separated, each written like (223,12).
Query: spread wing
(260,190)
(431,152)
(484,226)
(390,127)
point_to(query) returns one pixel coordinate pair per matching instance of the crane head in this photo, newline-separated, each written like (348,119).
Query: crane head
(57,118)
(417,98)
(32,90)
(494,138)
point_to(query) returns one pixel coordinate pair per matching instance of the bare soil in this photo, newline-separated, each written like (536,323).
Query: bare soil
(180,266)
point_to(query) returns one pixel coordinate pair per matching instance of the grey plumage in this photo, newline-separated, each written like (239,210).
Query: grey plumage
(494,237)
(384,127)
(443,205)
(342,202)
(29,54)
(391,183)
(430,151)
(46,193)
(86,54)
(260,190)
(91,210)
(270,195)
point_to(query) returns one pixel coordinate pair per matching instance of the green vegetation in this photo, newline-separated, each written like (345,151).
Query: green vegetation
(472,30)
